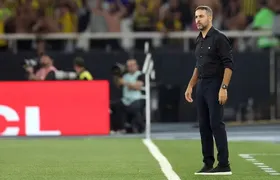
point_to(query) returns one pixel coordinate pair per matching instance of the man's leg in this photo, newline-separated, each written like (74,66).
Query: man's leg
(121,115)
(137,119)
(217,124)
(113,117)
(204,127)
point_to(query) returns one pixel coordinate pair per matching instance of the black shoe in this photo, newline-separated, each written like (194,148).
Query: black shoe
(205,169)
(220,170)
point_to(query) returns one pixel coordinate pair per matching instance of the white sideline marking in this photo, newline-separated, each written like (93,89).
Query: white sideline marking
(265,168)
(275,174)
(259,164)
(264,154)
(165,166)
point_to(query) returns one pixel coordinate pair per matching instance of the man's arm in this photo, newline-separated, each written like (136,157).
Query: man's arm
(194,79)
(122,9)
(192,83)
(225,54)
(50,76)
(33,77)
(98,10)
(227,76)
(133,86)
(138,84)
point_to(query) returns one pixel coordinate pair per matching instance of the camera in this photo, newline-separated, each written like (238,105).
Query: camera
(64,75)
(118,70)
(30,63)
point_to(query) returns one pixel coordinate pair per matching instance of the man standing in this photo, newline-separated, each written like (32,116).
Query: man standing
(212,75)
(130,107)
(82,72)
(46,71)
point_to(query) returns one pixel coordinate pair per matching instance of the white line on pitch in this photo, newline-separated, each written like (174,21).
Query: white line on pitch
(275,174)
(264,154)
(253,160)
(258,164)
(267,169)
(270,171)
(165,166)
(263,166)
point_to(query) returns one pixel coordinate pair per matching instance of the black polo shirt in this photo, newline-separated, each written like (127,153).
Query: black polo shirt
(213,54)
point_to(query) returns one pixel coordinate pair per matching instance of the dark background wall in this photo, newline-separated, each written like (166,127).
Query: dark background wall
(173,71)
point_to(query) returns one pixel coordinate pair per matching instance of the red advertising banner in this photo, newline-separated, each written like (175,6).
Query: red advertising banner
(54,108)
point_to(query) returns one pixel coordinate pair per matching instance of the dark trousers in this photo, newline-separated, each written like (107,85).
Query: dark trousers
(131,115)
(210,115)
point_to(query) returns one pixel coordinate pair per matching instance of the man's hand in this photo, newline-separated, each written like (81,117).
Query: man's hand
(188,94)
(29,69)
(222,96)
(121,81)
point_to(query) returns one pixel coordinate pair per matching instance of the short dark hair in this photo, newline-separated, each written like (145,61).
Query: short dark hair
(206,8)
(46,55)
(78,61)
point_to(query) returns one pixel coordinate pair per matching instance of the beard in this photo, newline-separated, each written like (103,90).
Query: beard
(44,65)
(202,27)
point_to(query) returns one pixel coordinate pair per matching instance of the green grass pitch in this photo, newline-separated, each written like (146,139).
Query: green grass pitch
(123,159)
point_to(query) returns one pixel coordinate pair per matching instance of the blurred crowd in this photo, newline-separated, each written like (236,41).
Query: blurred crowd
(67,16)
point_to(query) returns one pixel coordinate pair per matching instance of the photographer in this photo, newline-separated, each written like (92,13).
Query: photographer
(46,71)
(82,72)
(129,110)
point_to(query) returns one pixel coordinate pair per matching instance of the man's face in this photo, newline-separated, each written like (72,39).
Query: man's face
(45,61)
(174,3)
(131,66)
(113,8)
(1,3)
(142,9)
(63,10)
(76,68)
(202,19)
(29,2)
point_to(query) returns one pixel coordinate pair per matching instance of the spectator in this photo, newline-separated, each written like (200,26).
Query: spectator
(24,21)
(153,7)
(5,13)
(171,19)
(83,16)
(237,15)
(249,8)
(264,21)
(11,4)
(113,17)
(49,7)
(67,18)
(32,3)
(171,11)
(44,23)
(143,21)
(170,22)
(234,19)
